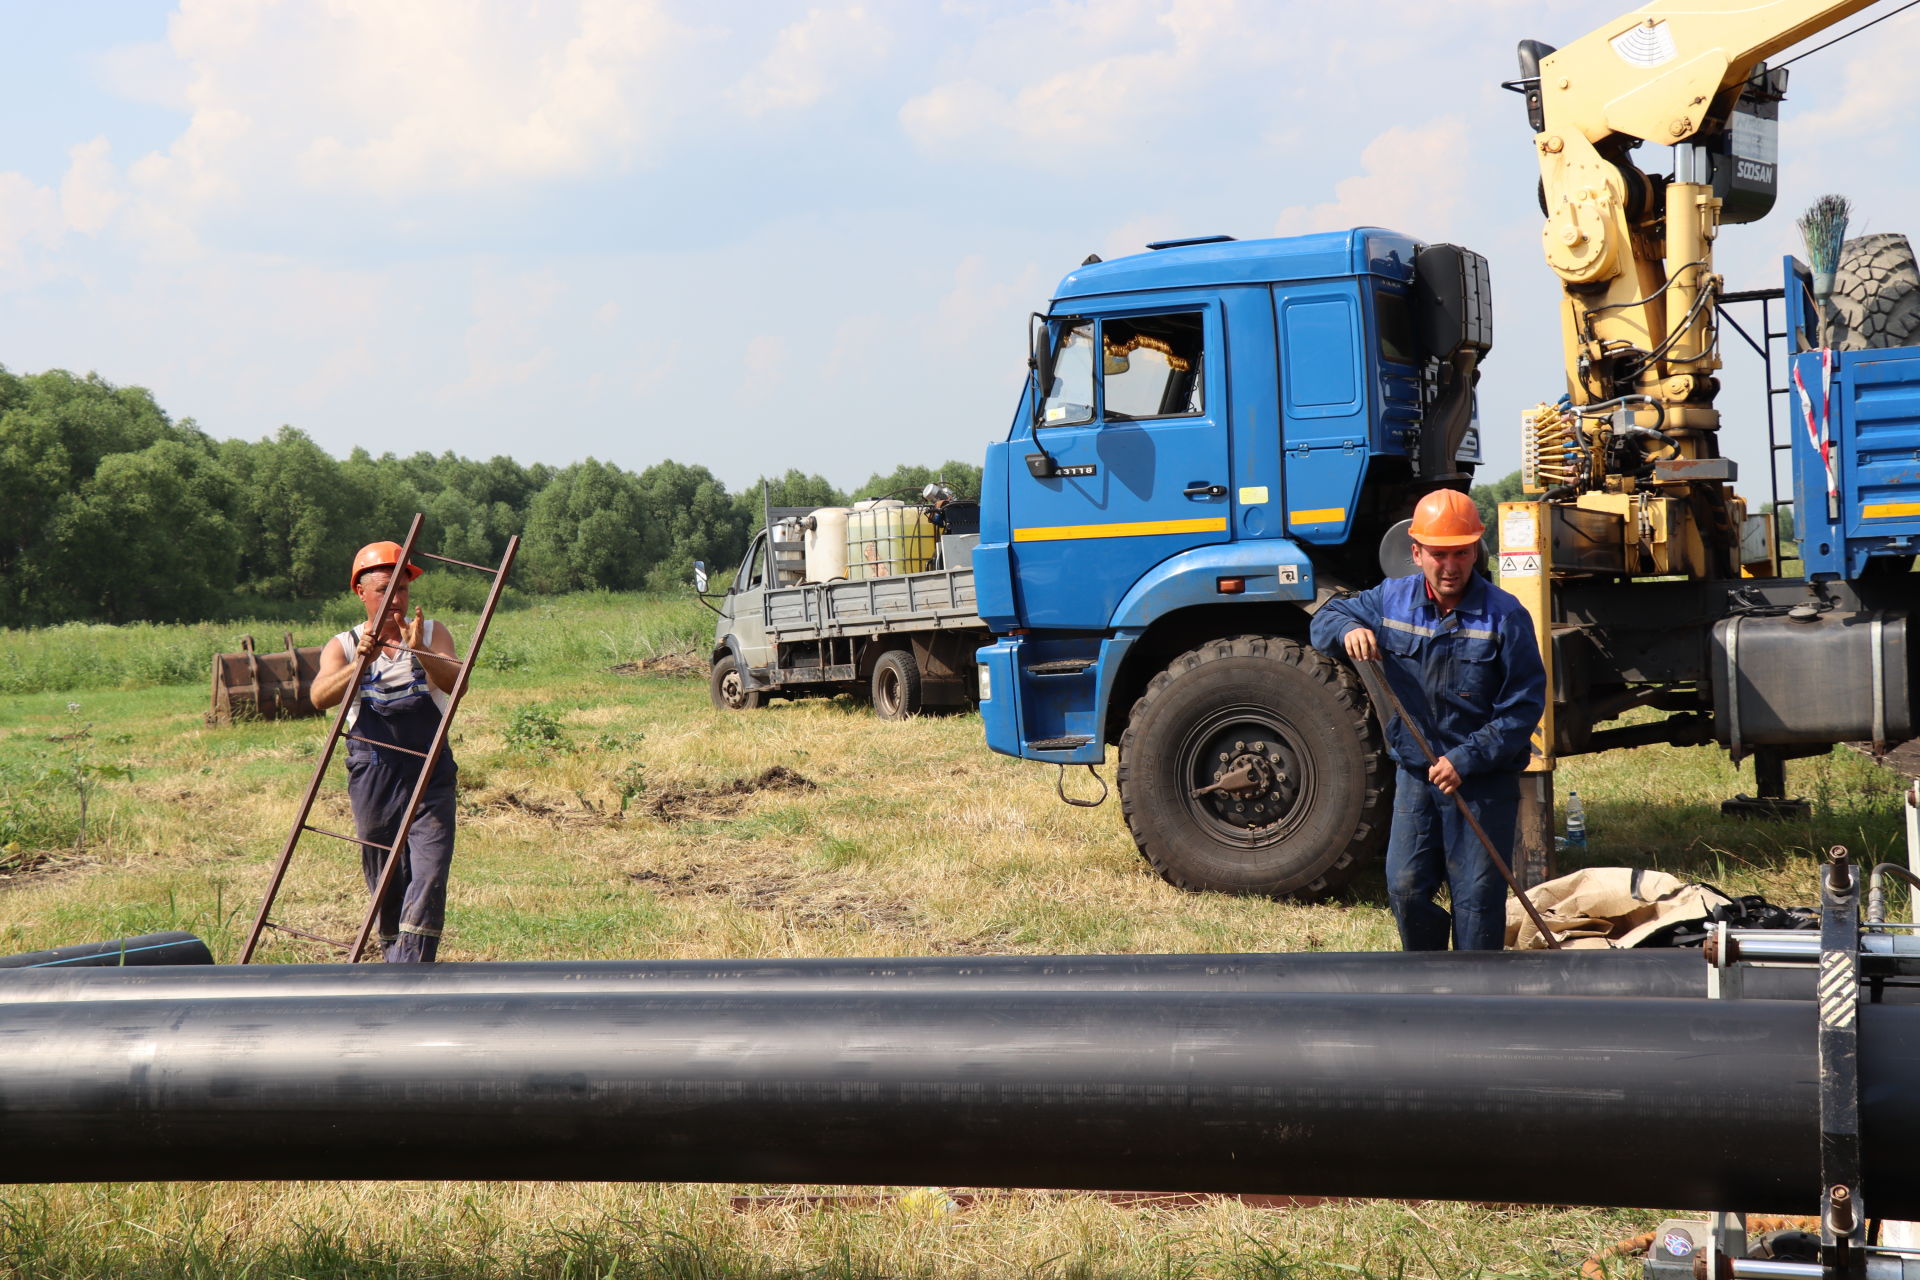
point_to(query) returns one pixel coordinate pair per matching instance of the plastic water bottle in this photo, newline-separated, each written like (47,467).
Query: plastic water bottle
(1576,822)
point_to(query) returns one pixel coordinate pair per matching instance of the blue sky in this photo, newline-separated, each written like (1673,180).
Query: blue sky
(761,236)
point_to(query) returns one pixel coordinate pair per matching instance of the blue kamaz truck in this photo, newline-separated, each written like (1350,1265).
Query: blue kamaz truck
(1230,430)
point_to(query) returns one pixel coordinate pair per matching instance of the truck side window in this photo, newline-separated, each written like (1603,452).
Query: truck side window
(1152,365)
(753,568)
(1070,398)
(1395,318)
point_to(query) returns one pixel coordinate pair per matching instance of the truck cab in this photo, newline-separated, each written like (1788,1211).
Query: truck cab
(1218,434)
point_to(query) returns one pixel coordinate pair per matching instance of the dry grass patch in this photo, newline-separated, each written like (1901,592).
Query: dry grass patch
(727,798)
(597,1231)
(669,665)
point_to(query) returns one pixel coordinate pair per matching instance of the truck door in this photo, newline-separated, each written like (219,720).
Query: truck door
(1324,387)
(1134,424)
(746,606)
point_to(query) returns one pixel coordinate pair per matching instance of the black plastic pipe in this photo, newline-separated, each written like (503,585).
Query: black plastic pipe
(1656,972)
(1563,1100)
(171,948)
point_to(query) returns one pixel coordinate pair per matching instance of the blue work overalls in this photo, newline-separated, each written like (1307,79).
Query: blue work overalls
(1473,680)
(396,707)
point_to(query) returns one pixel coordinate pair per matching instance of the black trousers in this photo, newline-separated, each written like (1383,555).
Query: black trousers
(414,910)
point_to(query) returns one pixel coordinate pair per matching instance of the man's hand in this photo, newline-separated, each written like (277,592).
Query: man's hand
(410,629)
(1444,776)
(1361,644)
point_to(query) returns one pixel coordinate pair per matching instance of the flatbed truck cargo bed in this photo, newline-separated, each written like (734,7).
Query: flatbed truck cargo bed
(936,600)
(904,639)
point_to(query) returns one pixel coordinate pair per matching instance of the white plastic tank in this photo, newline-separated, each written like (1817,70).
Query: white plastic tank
(789,552)
(886,537)
(827,544)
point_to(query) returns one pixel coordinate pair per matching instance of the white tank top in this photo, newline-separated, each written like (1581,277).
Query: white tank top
(390,676)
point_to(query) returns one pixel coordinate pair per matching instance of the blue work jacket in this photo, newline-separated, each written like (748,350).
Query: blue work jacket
(1472,678)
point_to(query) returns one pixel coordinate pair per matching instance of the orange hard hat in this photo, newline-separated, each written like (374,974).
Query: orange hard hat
(1446,518)
(378,555)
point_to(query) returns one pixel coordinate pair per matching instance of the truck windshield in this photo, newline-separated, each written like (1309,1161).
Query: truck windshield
(1070,398)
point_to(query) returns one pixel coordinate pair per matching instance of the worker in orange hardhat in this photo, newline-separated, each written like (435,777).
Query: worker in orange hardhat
(1461,655)
(411,668)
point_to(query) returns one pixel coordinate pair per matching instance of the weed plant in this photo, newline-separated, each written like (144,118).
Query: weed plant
(607,811)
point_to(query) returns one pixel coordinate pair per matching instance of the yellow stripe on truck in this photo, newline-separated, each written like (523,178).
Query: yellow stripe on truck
(1890,510)
(1135,529)
(1321,515)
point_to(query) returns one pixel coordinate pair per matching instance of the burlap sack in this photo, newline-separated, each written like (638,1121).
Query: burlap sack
(1608,907)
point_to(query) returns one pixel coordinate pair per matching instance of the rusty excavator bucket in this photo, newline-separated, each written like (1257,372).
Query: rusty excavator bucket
(250,685)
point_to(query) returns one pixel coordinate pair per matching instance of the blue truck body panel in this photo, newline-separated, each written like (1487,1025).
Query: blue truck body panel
(1864,406)
(1059,704)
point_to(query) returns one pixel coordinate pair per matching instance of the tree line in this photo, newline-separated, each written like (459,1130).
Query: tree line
(111,511)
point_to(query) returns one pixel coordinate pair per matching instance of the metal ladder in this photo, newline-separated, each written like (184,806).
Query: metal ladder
(1763,347)
(431,756)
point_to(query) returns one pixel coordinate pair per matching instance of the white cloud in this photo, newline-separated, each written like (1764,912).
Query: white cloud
(148,72)
(1411,179)
(812,57)
(1880,96)
(29,217)
(506,343)
(91,192)
(988,298)
(433,95)
(1113,73)
(856,340)
(764,358)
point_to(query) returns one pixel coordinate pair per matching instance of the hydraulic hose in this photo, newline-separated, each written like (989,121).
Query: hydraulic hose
(172,948)
(1656,972)
(1501,1099)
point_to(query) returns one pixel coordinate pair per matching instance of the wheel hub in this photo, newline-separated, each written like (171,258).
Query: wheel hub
(1251,783)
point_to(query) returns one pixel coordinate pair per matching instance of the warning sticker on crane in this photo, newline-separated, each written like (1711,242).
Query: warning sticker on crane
(1512,563)
(1519,528)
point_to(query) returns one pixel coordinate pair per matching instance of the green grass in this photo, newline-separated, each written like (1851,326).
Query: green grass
(601,818)
(606,627)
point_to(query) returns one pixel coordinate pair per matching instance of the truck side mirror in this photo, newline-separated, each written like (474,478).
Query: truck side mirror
(1041,362)
(700,576)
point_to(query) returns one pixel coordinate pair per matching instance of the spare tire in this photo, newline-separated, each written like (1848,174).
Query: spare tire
(896,685)
(1876,294)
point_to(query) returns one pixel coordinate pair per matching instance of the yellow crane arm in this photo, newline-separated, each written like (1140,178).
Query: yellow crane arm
(1657,72)
(1634,252)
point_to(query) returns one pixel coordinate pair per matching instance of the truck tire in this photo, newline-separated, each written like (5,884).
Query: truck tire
(896,685)
(1296,719)
(1876,294)
(729,688)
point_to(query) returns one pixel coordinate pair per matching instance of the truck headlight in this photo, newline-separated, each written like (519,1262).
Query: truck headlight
(986,681)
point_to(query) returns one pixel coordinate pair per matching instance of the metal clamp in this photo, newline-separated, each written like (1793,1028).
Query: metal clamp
(1837,997)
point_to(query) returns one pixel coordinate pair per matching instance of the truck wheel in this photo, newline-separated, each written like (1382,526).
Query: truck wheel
(729,688)
(1289,728)
(1876,293)
(896,685)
